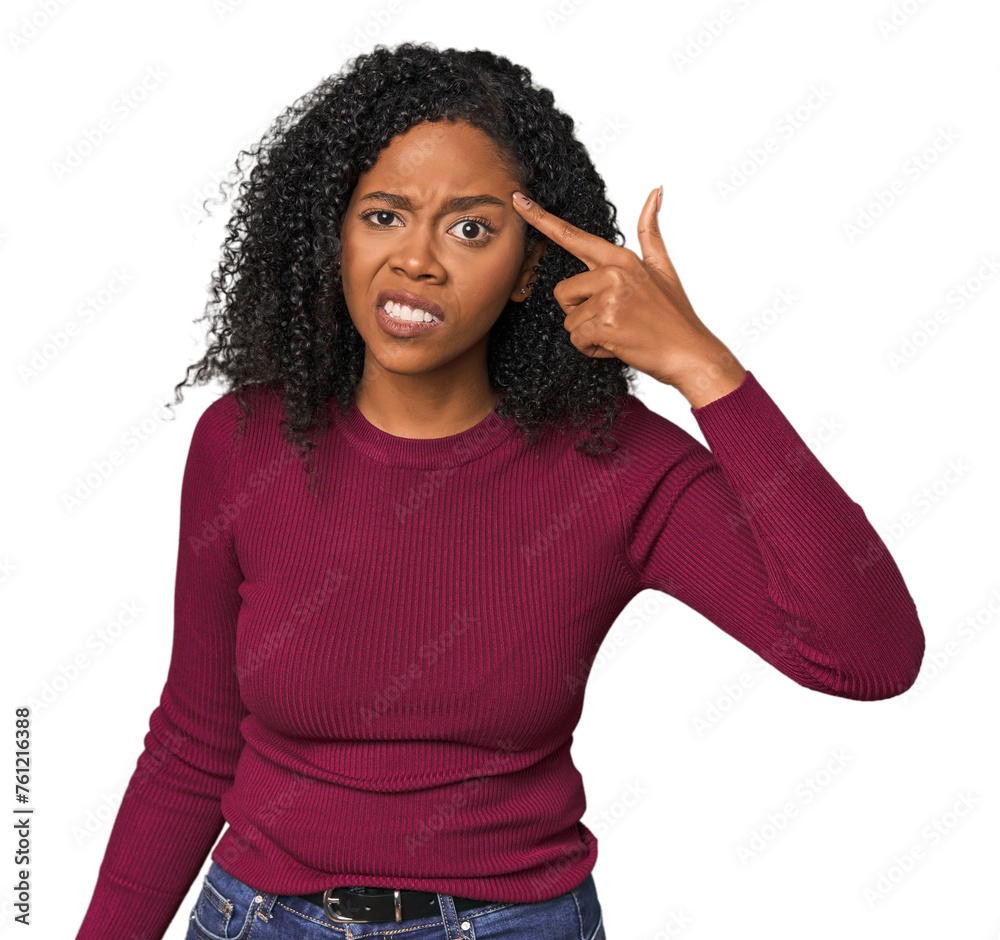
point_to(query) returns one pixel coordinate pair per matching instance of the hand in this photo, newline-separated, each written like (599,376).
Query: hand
(635,308)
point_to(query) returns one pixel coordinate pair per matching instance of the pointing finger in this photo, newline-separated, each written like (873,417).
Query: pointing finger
(590,249)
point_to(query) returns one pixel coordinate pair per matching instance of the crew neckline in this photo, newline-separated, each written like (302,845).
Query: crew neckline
(425,453)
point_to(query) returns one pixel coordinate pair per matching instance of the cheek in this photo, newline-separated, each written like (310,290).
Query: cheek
(351,245)
(488,283)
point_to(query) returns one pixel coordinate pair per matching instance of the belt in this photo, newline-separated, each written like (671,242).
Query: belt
(368,905)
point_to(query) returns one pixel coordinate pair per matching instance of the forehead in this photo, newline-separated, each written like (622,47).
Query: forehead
(439,155)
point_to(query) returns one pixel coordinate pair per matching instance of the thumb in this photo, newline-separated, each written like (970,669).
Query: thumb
(654,252)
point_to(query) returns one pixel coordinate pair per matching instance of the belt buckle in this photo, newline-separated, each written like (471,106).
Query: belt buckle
(330,899)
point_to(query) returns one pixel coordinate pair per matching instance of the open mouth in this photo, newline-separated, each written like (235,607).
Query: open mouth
(407,314)
(410,308)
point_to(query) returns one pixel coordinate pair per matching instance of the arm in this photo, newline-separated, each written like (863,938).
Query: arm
(758,537)
(170,814)
(755,535)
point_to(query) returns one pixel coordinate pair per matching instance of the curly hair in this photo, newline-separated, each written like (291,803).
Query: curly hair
(279,319)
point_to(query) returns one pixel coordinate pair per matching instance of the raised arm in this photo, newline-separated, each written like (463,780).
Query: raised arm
(758,537)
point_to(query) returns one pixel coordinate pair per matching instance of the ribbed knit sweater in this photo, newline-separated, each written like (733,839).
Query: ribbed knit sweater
(379,685)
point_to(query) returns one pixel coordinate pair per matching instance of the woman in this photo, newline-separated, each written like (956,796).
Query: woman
(398,559)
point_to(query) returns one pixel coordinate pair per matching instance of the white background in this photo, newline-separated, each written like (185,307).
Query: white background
(660,97)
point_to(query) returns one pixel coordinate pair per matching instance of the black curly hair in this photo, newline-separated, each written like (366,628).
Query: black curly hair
(279,319)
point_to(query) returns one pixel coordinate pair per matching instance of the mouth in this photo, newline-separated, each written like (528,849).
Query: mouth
(409,308)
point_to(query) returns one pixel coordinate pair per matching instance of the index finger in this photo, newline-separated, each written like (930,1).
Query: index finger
(590,249)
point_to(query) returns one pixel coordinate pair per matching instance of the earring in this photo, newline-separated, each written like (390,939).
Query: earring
(522,290)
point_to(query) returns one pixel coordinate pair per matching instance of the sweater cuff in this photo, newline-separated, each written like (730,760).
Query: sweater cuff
(748,431)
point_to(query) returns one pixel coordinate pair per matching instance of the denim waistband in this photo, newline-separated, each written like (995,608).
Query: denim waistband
(229,909)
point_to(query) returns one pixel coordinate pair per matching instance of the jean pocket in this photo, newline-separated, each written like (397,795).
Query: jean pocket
(217,917)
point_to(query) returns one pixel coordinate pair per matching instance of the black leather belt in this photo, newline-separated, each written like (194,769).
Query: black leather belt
(368,905)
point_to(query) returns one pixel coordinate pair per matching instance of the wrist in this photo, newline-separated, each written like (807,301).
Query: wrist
(711,379)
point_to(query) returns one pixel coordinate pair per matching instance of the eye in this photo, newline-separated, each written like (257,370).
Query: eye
(378,218)
(474,222)
(373,212)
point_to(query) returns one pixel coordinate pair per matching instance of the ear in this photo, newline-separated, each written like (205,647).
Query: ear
(527,274)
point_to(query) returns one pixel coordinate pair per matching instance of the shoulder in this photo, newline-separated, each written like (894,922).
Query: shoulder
(260,406)
(233,418)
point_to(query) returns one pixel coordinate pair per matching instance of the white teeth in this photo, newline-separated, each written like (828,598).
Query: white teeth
(402,312)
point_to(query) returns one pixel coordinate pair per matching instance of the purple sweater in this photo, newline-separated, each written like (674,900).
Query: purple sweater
(380,686)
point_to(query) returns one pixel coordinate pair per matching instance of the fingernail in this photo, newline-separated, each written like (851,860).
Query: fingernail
(522,200)
(659,199)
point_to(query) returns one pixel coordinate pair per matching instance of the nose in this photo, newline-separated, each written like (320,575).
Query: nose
(415,253)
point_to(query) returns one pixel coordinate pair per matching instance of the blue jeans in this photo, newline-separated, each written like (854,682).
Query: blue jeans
(228,909)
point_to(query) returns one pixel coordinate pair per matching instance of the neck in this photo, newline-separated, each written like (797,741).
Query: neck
(437,413)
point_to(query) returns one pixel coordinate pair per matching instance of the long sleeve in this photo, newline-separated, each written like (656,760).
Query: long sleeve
(758,537)
(170,814)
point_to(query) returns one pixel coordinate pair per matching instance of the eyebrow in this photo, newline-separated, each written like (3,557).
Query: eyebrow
(458,204)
